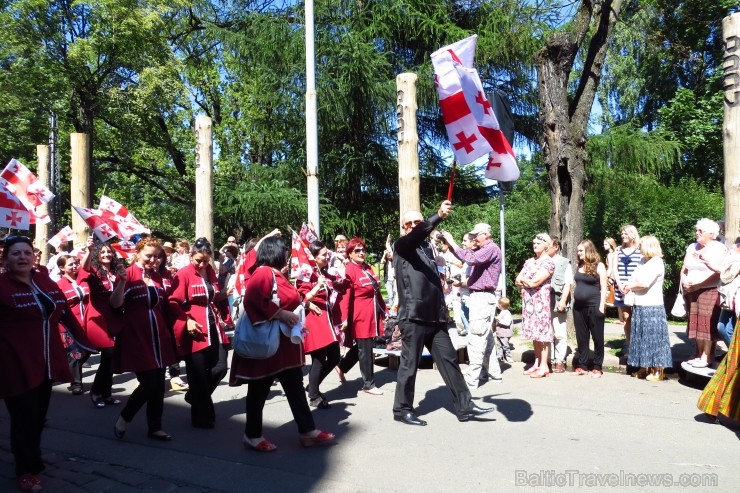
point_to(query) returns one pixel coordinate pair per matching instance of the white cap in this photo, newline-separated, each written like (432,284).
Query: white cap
(481,228)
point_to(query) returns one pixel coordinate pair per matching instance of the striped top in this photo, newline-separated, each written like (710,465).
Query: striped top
(627,262)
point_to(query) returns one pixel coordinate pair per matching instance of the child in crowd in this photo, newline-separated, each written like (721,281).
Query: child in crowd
(503,331)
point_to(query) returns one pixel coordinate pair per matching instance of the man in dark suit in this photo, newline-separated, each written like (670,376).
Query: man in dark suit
(422,315)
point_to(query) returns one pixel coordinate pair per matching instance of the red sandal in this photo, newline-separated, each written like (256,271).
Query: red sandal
(262,446)
(580,372)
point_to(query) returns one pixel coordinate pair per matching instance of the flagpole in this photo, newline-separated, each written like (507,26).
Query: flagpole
(312,144)
(452,180)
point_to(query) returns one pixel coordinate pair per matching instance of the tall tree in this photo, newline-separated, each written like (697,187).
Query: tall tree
(564,113)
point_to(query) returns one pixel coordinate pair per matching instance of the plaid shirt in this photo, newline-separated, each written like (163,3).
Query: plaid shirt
(485,264)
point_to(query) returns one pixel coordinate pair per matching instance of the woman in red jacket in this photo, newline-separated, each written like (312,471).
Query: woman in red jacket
(78,297)
(362,308)
(260,305)
(198,331)
(322,339)
(98,275)
(145,345)
(31,353)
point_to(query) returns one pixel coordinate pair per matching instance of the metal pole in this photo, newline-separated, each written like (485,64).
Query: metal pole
(312,140)
(502,234)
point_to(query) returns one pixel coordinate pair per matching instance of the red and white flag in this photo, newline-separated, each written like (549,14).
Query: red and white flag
(13,214)
(125,249)
(119,217)
(64,235)
(301,261)
(24,185)
(307,234)
(471,125)
(96,222)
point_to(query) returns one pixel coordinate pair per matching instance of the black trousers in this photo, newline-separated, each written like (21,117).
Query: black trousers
(323,362)
(414,338)
(27,415)
(589,322)
(206,368)
(292,383)
(362,351)
(103,382)
(75,366)
(150,392)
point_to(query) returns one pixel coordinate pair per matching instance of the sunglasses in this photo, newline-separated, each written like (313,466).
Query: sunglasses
(13,239)
(414,222)
(358,250)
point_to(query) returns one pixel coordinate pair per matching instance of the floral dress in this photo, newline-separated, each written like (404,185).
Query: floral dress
(536,320)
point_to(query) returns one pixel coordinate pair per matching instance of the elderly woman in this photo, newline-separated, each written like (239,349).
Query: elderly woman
(322,339)
(31,353)
(650,347)
(534,281)
(78,297)
(198,331)
(363,310)
(699,281)
(98,275)
(589,305)
(272,296)
(627,259)
(145,345)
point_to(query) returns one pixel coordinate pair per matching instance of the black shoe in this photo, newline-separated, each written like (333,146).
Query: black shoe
(472,412)
(410,419)
(319,403)
(204,424)
(161,436)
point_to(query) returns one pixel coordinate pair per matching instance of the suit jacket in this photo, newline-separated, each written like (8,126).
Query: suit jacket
(420,293)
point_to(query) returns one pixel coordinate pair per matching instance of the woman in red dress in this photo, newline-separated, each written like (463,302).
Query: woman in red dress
(145,345)
(260,305)
(322,339)
(31,353)
(362,308)
(199,332)
(98,275)
(78,297)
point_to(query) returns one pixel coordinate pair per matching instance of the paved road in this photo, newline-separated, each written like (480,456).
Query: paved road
(563,430)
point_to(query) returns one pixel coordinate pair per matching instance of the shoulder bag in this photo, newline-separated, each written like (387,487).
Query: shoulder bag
(260,341)
(679,307)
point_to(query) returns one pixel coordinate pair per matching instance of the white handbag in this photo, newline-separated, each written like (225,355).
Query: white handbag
(679,306)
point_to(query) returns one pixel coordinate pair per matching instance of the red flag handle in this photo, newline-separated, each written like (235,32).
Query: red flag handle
(452,180)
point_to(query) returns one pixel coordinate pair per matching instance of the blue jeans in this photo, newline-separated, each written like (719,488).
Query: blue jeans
(726,325)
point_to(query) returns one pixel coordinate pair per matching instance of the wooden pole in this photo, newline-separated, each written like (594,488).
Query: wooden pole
(312,132)
(731,127)
(42,230)
(408,143)
(204,178)
(80,182)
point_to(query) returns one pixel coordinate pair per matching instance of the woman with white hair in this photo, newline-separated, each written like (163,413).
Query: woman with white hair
(699,280)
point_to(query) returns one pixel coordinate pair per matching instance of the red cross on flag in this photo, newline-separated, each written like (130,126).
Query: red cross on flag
(301,261)
(24,185)
(120,219)
(308,234)
(96,222)
(471,125)
(13,214)
(64,235)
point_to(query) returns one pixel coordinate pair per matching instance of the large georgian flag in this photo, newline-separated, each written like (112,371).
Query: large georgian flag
(96,222)
(13,214)
(24,185)
(471,125)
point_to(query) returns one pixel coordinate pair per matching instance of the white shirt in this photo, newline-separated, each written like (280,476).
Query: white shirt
(651,273)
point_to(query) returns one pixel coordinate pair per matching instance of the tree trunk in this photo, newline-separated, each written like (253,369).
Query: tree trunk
(564,116)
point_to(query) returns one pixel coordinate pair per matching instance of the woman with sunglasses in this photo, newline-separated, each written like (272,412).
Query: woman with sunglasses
(362,310)
(97,274)
(322,340)
(78,298)
(199,331)
(145,345)
(32,356)
(271,296)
